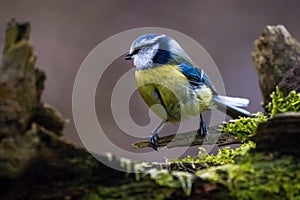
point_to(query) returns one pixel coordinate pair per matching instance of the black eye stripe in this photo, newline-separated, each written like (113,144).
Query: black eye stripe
(135,51)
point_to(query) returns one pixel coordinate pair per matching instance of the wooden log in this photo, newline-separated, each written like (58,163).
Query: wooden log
(280,134)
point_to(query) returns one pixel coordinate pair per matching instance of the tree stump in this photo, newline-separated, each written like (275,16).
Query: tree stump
(21,112)
(277,60)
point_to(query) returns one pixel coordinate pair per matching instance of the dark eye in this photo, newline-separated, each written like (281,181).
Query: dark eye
(135,51)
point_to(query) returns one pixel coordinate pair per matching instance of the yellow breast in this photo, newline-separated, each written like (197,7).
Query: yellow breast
(167,86)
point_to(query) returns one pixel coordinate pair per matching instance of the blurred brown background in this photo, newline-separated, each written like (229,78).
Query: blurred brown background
(64,32)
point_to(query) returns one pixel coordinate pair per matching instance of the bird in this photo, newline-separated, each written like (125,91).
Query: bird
(166,75)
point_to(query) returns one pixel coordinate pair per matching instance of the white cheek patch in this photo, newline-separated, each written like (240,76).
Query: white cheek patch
(144,58)
(141,62)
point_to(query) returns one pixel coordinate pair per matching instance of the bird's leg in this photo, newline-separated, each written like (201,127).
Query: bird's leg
(203,130)
(154,135)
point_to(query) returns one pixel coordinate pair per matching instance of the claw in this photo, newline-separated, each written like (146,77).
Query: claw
(154,136)
(154,141)
(203,130)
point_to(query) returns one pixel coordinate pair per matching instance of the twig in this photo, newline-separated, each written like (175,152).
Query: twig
(191,139)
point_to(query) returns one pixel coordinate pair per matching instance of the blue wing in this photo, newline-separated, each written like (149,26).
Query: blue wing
(196,77)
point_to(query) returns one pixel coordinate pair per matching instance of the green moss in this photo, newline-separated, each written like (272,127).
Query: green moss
(225,155)
(134,191)
(244,127)
(258,176)
(164,178)
(280,103)
(91,196)
(174,179)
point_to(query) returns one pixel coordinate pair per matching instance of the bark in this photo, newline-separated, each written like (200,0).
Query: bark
(280,134)
(277,60)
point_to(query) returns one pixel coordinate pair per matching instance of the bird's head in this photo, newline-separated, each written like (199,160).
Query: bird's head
(151,50)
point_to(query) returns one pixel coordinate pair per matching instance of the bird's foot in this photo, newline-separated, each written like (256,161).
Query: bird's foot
(154,141)
(203,129)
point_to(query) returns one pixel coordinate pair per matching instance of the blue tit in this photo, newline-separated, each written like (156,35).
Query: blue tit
(165,75)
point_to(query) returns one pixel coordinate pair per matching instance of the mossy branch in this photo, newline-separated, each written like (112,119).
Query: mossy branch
(216,136)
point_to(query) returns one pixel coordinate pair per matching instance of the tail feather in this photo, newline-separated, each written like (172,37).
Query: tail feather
(230,106)
(234,101)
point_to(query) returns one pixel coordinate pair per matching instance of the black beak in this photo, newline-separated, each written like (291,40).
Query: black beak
(128,57)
